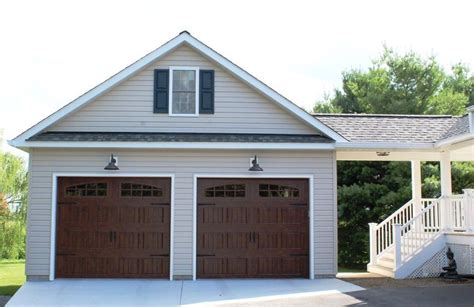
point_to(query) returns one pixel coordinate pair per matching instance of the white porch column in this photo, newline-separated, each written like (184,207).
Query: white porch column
(372,243)
(416,185)
(468,199)
(446,191)
(397,246)
(445,174)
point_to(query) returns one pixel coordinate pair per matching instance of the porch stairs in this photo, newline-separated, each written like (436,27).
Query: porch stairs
(413,234)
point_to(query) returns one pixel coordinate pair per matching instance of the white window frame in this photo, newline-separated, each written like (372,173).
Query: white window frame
(172,69)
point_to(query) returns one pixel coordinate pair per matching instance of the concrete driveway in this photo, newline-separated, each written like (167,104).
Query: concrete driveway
(110,292)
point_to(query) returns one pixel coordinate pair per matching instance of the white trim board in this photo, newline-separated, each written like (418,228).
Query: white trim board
(182,38)
(257,176)
(56,175)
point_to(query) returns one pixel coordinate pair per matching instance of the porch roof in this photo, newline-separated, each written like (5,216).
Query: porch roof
(396,137)
(408,129)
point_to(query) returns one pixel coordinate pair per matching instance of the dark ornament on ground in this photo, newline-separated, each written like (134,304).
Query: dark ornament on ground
(450,271)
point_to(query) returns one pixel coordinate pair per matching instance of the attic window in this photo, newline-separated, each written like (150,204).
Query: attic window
(184,91)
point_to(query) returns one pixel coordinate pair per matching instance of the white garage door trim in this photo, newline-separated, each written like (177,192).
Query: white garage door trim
(52,255)
(257,176)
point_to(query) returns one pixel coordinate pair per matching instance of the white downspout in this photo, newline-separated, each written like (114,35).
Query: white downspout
(470,112)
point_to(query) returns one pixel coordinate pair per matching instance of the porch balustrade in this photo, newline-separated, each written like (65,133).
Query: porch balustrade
(417,222)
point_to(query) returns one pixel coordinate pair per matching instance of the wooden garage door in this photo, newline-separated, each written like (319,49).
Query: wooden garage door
(113,227)
(252,228)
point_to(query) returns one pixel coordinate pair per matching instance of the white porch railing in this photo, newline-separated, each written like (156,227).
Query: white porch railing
(383,232)
(455,213)
(417,223)
(415,234)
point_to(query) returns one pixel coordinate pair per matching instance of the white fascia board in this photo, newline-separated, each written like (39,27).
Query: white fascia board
(454,140)
(383,146)
(175,145)
(153,56)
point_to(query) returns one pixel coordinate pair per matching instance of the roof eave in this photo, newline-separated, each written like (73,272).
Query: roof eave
(173,145)
(453,140)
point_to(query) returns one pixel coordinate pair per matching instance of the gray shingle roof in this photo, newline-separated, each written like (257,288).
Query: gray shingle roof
(395,128)
(177,137)
(460,127)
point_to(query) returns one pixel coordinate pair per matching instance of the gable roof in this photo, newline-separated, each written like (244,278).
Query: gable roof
(397,129)
(183,38)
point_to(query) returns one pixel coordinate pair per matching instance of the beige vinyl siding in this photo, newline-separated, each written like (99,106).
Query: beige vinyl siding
(129,106)
(184,164)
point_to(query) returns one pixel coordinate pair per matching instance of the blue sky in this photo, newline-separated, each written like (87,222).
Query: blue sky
(53,51)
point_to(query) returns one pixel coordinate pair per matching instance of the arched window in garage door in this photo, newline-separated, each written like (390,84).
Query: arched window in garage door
(276,190)
(139,190)
(87,189)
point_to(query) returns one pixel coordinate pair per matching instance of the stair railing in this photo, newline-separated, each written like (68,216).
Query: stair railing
(410,237)
(383,232)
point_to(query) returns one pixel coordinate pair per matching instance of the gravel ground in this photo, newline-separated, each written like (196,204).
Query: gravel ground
(3,300)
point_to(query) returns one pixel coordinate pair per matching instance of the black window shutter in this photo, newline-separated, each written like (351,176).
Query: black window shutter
(206,91)
(160,91)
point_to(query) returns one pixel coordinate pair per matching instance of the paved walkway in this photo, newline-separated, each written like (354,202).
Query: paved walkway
(3,300)
(434,296)
(109,292)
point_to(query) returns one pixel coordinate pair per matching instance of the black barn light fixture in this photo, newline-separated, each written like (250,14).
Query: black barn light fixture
(112,166)
(255,167)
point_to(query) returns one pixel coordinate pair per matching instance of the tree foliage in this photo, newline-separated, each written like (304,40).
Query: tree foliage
(393,84)
(402,84)
(13,203)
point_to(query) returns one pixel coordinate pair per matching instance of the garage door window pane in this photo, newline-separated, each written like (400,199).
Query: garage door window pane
(228,191)
(139,190)
(87,190)
(273,190)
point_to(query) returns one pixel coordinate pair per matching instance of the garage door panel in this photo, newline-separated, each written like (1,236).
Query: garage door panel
(282,240)
(223,240)
(142,241)
(223,215)
(113,227)
(264,232)
(216,267)
(279,267)
(78,239)
(74,266)
(280,216)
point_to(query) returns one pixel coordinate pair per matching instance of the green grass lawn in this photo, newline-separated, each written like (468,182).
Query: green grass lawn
(12,276)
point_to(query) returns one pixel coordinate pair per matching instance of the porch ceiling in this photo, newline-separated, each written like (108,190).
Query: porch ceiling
(461,151)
